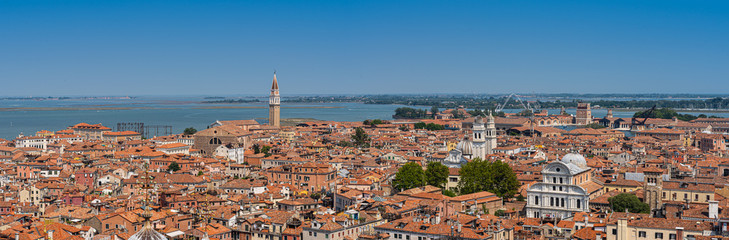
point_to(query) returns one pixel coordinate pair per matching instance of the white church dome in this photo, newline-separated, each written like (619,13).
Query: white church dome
(575,159)
(465,146)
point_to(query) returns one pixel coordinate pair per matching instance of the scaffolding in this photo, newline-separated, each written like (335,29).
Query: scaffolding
(147,131)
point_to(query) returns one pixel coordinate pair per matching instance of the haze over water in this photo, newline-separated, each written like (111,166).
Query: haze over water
(181,112)
(178,112)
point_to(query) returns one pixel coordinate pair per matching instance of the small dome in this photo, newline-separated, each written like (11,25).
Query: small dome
(465,146)
(575,159)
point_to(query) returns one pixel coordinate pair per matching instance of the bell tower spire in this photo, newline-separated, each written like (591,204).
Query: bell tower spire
(274,104)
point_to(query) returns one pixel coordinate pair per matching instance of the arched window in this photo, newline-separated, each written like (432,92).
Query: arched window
(215,141)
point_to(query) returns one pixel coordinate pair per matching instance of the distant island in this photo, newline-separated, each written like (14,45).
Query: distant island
(543,101)
(51,98)
(232,101)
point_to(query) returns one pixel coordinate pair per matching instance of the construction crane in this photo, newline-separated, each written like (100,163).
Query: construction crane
(645,115)
(526,106)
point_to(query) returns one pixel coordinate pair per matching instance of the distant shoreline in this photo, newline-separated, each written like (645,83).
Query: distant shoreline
(11,109)
(261,107)
(16,109)
(643,109)
(675,109)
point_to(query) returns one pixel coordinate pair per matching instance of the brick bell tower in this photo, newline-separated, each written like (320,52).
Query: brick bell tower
(274,105)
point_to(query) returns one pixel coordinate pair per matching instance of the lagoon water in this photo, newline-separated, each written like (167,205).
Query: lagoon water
(29,116)
(178,112)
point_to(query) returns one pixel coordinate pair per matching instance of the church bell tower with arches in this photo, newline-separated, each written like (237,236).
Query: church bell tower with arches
(479,142)
(274,105)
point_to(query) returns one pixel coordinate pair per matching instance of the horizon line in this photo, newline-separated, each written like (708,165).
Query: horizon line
(355,94)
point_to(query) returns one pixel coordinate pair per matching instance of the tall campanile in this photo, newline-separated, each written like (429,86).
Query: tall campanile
(274,105)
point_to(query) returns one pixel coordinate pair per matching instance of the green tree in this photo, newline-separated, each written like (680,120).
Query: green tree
(434,127)
(189,131)
(477,112)
(525,113)
(410,113)
(520,198)
(449,193)
(628,201)
(265,150)
(373,122)
(434,111)
(474,176)
(315,195)
(457,114)
(410,175)
(174,167)
(665,113)
(500,212)
(594,126)
(497,177)
(256,149)
(504,183)
(436,174)
(429,126)
(360,138)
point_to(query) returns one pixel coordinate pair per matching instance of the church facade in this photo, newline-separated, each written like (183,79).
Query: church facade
(565,189)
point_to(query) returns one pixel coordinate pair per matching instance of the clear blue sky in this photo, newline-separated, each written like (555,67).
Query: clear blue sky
(330,47)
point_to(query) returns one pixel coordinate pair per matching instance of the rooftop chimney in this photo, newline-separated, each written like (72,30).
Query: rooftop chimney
(17,236)
(713,209)
(679,233)
(50,234)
